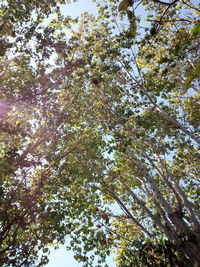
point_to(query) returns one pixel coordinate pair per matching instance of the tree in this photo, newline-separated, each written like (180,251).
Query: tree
(22,23)
(150,133)
(150,142)
(115,127)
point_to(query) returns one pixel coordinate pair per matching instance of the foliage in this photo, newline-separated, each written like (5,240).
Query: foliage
(99,135)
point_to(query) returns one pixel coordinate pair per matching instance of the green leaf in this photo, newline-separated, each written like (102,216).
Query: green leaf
(1,173)
(124,5)
(133,28)
(188,82)
(153,31)
(197,67)
(130,14)
(177,47)
(163,60)
(196,29)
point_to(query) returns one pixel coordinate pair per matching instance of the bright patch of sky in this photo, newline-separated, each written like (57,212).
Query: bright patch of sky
(81,6)
(63,258)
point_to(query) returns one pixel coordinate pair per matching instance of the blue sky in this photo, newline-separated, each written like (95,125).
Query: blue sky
(75,9)
(63,258)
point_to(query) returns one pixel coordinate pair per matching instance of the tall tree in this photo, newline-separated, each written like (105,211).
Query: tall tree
(102,145)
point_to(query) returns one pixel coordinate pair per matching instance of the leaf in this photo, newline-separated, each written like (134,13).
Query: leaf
(177,47)
(196,29)
(153,31)
(133,28)
(188,82)
(197,67)
(124,5)
(130,14)
(1,173)
(163,60)
(191,77)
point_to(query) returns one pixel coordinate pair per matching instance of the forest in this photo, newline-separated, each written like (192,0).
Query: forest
(99,132)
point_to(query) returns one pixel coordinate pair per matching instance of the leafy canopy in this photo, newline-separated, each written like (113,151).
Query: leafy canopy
(99,133)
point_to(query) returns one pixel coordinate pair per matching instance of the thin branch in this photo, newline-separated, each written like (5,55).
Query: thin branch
(125,210)
(165,3)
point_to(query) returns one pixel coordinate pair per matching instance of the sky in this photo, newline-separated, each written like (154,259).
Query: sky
(76,8)
(61,257)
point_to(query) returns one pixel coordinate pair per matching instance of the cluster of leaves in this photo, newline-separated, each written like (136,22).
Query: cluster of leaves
(100,146)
